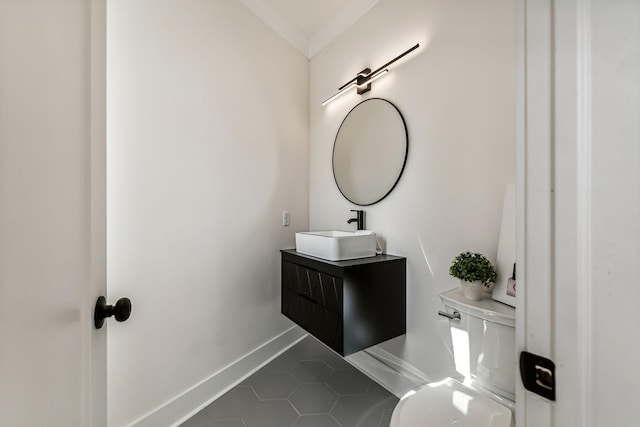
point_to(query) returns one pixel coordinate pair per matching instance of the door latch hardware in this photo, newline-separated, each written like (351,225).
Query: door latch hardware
(538,375)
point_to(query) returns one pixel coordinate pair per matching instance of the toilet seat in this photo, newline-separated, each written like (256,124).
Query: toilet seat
(449,403)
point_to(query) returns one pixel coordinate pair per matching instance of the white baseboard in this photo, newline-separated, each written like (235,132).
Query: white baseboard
(388,370)
(398,364)
(191,401)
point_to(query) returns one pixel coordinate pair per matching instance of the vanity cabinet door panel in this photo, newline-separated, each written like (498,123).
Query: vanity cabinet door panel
(331,331)
(322,288)
(315,286)
(314,318)
(296,308)
(332,292)
(305,312)
(291,305)
(297,278)
(290,277)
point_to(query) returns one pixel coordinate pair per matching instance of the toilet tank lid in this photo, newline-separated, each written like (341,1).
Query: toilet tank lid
(486,309)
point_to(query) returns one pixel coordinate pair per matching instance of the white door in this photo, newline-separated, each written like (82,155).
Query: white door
(579,208)
(52,212)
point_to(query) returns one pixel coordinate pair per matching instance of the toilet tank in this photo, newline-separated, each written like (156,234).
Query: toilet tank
(483,341)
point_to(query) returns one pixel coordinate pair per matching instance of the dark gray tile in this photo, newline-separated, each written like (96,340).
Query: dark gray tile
(233,404)
(389,403)
(275,385)
(307,386)
(314,398)
(228,423)
(201,419)
(377,393)
(251,380)
(311,371)
(307,349)
(357,411)
(270,413)
(386,418)
(334,360)
(349,381)
(324,420)
(241,403)
(372,418)
(282,363)
(312,349)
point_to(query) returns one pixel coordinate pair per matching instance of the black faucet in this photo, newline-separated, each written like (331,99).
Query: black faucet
(359,219)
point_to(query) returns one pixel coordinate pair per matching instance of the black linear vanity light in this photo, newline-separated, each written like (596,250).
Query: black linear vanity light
(364,78)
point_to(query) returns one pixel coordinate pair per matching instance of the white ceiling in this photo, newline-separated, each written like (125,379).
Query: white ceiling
(309,25)
(308,15)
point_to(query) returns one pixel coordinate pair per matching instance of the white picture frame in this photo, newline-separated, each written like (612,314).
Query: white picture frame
(506,256)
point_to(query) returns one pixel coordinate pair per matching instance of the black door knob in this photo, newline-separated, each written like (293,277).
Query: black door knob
(121,311)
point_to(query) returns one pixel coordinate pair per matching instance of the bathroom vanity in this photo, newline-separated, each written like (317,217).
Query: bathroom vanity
(348,305)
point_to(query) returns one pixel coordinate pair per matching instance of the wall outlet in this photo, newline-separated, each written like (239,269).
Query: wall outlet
(285,218)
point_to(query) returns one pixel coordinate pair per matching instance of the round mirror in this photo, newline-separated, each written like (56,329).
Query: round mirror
(370,151)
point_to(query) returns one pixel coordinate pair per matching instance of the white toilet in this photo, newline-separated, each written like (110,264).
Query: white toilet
(483,337)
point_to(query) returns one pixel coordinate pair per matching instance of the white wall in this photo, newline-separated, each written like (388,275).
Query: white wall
(207,144)
(457,95)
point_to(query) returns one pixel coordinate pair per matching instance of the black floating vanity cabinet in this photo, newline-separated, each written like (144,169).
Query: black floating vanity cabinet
(348,305)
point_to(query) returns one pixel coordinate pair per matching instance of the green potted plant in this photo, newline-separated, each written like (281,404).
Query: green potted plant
(476,274)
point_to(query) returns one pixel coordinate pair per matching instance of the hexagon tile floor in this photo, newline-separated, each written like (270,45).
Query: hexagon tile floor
(306,386)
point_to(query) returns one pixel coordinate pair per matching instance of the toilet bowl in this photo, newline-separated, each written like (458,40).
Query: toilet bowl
(483,339)
(447,403)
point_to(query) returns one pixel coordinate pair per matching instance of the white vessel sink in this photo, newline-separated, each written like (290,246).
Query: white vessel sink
(337,245)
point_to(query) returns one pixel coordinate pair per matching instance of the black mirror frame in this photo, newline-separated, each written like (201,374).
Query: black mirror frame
(404,163)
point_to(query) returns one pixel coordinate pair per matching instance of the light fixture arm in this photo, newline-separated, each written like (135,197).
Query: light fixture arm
(363,80)
(373,74)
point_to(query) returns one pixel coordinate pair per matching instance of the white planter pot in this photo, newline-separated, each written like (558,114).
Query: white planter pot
(473,291)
